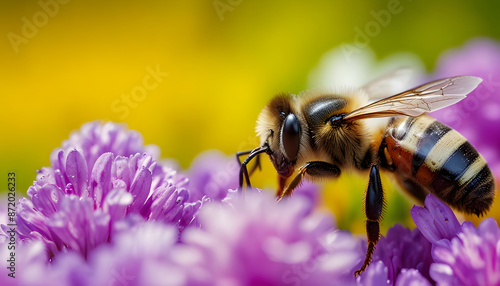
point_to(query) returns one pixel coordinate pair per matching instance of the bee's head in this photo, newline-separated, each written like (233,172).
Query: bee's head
(280,130)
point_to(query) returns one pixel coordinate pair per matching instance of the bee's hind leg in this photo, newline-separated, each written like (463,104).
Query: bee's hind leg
(374,205)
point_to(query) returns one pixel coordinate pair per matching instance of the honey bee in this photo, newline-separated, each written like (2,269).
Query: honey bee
(316,134)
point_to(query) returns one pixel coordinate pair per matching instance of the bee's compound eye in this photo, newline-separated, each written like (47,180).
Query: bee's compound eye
(290,136)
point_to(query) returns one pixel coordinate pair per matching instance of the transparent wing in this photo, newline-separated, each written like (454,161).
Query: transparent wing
(389,84)
(429,97)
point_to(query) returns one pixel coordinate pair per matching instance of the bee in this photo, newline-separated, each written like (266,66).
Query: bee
(316,134)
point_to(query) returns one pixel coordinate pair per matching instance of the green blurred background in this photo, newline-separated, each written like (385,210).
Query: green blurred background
(224,59)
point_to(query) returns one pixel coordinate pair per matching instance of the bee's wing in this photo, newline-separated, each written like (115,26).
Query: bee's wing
(388,84)
(425,98)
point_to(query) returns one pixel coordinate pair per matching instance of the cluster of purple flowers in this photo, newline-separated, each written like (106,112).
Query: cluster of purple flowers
(95,187)
(109,212)
(462,254)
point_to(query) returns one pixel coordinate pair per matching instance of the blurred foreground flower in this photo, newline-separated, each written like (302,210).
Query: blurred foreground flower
(211,174)
(251,240)
(32,268)
(243,240)
(477,117)
(246,240)
(463,254)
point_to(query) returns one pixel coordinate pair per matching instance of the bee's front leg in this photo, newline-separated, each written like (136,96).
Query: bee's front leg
(314,169)
(243,166)
(374,204)
(257,160)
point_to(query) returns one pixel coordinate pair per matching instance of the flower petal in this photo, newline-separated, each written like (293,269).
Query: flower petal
(189,213)
(411,277)
(374,275)
(78,226)
(100,180)
(140,189)
(116,203)
(443,273)
(436,221)
(120,170)
(77,172)
(29,220)
(488,229)
(162,199)
(47,199)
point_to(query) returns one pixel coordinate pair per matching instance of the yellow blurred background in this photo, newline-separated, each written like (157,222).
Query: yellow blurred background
(199,71)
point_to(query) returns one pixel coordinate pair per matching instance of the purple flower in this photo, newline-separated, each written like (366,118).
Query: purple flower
(463,255)
(78,205)
(477,117)
(248,240)
(374,275)
(96,138)
(401,256)
(403,249)
(72,209)
(212,174)
(411,277)
(31,267)
(470,258)
(436,221)
(251,240)
(146,255)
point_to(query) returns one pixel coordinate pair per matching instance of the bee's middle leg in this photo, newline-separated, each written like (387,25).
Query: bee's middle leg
(374,204)
(314,169)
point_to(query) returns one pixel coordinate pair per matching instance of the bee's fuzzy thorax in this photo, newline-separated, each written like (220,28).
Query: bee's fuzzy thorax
(344,146)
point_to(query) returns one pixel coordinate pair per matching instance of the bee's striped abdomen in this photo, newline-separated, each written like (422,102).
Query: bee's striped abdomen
(431,157)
